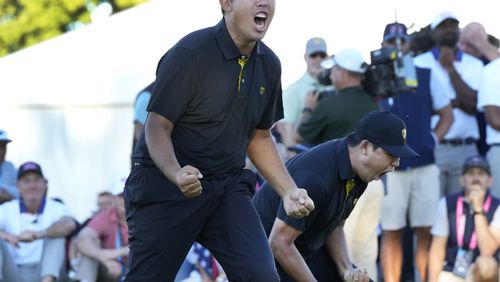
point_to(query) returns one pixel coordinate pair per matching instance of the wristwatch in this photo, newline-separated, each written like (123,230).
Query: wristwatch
(307,110)
(481,212)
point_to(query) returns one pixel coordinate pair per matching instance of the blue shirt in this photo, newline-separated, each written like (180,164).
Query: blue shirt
(8,178)
(415,109)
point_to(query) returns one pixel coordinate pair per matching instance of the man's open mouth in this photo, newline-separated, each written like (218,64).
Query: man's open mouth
(260,19)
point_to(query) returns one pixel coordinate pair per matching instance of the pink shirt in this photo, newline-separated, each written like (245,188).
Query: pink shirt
(105,224)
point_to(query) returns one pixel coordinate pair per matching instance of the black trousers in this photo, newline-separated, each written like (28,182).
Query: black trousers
(163,224)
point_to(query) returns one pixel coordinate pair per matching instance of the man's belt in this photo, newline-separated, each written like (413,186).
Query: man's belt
(459,141)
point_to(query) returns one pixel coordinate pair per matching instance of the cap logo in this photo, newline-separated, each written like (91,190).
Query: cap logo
(396,29)
(403,133)
(317,41)
(262,90)
(29,166)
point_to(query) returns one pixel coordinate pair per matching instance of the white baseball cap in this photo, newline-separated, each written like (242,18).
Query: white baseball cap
(4,137)
(441,17)
(348,59)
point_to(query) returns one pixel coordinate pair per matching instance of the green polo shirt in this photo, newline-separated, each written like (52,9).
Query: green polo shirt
(337,115)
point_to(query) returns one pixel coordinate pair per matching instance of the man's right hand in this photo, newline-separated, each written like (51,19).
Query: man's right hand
(357,274)
(297,203)
(476,197)
(188,181)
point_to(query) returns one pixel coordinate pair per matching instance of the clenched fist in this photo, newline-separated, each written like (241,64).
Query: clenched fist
(188,181)
(297,203)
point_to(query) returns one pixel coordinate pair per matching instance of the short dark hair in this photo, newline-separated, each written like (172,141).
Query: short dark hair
(105,193)
(354,140)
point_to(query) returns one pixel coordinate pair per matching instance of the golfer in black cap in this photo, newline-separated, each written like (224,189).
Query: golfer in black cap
(335,173)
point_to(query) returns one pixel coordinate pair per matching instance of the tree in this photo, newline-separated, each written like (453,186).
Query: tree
(26,22)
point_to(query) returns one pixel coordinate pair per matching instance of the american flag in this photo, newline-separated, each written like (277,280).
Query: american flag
(202,256)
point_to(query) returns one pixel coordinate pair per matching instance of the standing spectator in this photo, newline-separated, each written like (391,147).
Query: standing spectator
(488,96)
(336,174)
(413,189)
(217,94)
(471,35)
(140,110)
(103,243)
(464,226)
(476,42)
(295,94)
(33,230)
(337,115)
(8,189)
(461,74)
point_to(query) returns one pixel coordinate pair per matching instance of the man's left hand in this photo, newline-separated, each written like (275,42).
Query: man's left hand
(297,203)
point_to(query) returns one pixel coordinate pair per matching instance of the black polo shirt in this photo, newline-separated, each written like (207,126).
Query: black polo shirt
(326,173)
(215,104)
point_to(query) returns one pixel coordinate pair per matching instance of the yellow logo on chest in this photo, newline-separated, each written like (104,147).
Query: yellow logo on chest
(349,185)
(262,90)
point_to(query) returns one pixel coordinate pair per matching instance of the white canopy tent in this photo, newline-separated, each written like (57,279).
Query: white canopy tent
(67,102)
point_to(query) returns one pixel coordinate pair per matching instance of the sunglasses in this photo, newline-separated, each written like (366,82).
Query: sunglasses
(318,54)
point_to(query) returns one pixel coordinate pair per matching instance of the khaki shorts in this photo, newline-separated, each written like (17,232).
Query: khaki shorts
(415,191)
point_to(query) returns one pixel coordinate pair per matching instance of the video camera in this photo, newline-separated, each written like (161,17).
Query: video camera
(324,80)
(390,73)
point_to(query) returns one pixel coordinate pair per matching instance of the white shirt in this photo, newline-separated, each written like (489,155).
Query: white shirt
(14,222)
(489,95)
(470,70)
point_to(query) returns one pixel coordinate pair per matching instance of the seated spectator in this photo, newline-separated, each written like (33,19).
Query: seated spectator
(103,243)
(104,201)
(32,231)
(465,226)
(8,189)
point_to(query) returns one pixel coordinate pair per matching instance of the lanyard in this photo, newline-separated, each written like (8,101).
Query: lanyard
(460,223)
(118,241)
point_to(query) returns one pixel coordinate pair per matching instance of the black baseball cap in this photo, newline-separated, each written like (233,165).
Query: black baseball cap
(395,30)
(386,130)
(29,167)
(476,161)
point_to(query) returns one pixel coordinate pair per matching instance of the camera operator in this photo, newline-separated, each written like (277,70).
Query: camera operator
(416,180)
(337,115)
